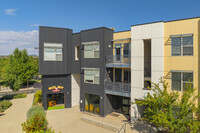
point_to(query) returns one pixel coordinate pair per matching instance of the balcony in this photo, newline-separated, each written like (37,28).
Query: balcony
(120,89)
(118,61)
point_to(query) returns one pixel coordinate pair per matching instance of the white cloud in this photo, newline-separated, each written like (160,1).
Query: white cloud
(11,11)
(34,25)
(9,40)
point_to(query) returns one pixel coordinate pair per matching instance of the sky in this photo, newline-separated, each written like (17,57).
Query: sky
(20,19)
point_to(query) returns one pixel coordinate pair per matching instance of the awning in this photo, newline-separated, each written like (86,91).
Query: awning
(121,39)
(181,35)
(92,42)
(187,71)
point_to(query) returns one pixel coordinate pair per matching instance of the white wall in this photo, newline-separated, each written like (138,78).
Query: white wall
(75,82)
(155,32)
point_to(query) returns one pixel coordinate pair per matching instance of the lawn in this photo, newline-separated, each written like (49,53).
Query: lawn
(57,107)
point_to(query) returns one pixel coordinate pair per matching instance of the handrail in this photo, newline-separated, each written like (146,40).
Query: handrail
(118,59)
(122,87)
(123,128)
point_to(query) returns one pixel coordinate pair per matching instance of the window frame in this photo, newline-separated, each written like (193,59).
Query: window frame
(55,51)
(182,46)
(93,69)
(77,53)
(93,50)
(129,52)
(182,81)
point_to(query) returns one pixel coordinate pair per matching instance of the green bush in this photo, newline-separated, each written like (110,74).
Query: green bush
(20,96)
(4,105)
(35,123)
(38,96)
(13,96)
(36,120)
(34,110)
(7,97)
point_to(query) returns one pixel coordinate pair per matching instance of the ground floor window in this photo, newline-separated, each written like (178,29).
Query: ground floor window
(182,80)
(92,103)
(55,101)
(121,104)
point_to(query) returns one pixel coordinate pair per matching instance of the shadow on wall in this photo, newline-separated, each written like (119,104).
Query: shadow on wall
(77,79)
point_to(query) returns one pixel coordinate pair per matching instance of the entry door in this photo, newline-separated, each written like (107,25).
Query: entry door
(118,52)
(118,75)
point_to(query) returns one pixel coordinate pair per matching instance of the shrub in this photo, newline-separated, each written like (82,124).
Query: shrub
(4,105)
(35,123)
(36,120)
(7,97)
(34,110)
(20,96)
(38,96)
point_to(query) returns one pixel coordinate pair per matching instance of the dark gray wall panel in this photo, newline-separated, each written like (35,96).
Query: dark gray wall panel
(76,65)
(99,34)
(55,35)
(55,80)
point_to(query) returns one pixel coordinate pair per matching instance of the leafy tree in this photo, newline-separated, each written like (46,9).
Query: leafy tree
(171,111)
(20,68)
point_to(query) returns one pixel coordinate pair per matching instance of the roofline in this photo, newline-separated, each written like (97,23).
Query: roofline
(122,31)
(165,21)
(182,19)
(96,29)
(147,23)
(54,27)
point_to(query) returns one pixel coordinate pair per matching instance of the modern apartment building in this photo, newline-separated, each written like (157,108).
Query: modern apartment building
(103,71)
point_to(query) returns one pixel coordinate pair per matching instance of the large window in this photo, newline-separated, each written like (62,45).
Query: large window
(92,103)
(127,52)
(53,52)
(91,50)
(182,80)
(182,45)
(91,75)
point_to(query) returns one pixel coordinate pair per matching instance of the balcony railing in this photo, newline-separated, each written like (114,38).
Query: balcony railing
(118,61)
(115,88)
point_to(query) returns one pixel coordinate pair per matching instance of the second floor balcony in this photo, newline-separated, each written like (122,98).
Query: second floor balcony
(120,61)
(118,88)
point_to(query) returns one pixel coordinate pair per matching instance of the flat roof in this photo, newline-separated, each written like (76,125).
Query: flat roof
(165,21)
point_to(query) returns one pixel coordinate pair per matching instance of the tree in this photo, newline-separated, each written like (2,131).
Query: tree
(171,111)
(20,68)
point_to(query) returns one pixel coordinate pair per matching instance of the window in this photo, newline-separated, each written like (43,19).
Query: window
(53,52)
(127,76)
(91,75)
(182,80)
(77,52)
(126,50)
(182,45)
(91,50)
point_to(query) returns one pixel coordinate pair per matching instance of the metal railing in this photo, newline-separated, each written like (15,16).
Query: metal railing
(122,129)
(118,60)
(119,87)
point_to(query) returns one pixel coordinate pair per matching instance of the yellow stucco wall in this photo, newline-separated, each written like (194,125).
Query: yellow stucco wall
(181,62)
(121,35)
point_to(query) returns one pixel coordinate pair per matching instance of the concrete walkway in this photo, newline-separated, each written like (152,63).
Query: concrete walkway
(69,121)
(11,119)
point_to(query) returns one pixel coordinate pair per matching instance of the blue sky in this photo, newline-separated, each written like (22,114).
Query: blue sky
(19,19)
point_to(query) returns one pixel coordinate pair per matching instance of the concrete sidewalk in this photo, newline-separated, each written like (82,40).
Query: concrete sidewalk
(69,121)
(11,119)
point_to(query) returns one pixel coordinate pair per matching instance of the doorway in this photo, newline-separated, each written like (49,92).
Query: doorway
(118,75)
(118,52)
(92,103)
(55,101)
